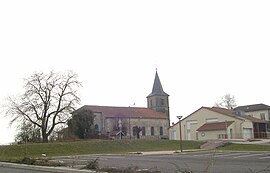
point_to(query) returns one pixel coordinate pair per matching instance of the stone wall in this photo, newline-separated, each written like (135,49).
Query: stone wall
(112,126)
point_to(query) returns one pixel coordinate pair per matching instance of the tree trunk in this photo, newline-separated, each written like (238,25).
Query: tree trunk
(45,138)
(138,135)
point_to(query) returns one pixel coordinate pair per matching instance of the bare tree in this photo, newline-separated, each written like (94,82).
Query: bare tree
(227,101)
(46,102)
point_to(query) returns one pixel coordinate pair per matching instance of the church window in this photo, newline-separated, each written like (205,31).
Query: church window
(96,127)
(152,131)
(162,102)
(161,131)
(143,131)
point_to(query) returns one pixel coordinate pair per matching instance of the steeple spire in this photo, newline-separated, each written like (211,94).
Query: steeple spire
(157,87)
(158,100)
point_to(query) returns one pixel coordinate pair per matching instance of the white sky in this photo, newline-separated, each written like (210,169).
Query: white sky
(202,49)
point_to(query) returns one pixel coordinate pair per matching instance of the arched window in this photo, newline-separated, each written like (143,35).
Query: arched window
(161,131)
(152,131)
(162,102)
(96,127)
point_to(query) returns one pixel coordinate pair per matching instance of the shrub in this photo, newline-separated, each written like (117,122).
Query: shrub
(92,164)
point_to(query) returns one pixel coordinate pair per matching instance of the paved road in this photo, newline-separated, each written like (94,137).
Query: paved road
(198,162)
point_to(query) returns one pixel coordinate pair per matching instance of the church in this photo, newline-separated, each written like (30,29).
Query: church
(134,122)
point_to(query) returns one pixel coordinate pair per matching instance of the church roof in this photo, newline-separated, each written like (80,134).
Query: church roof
(125,112)
(157,88)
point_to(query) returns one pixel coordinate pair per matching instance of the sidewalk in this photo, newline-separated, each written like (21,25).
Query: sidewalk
(164,152)
(44,168)
(253,141)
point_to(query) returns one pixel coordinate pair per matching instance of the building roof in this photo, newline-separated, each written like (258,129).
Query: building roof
(254,120)
(229,112)
(215,126)
(233,113)
(157,88)
(254,107)
(125,112)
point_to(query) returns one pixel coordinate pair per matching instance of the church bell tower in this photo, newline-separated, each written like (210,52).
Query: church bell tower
(158,100)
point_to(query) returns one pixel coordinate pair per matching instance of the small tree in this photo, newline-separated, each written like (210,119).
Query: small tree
(46,102)
(81,123)
(137,131)
(28,132)
(227,101)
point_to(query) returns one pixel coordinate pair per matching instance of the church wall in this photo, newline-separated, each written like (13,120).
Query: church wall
(128,124)
(99,121)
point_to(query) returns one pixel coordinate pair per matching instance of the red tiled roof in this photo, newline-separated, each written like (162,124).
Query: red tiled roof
(254,120)
(224,111)
(228,112)
(233,114)
(126,112)
(215,126)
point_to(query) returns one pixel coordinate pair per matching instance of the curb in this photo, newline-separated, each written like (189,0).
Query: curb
(43,168)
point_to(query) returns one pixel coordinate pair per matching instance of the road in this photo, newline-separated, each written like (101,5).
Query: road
(198,162)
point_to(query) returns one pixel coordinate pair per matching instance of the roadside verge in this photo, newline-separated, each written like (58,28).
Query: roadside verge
(43,168)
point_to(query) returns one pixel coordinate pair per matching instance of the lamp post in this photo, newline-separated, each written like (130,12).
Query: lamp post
(181,147)
(130,115)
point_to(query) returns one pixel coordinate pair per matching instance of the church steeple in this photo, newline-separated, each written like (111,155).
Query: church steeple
(157,87)
(158,100)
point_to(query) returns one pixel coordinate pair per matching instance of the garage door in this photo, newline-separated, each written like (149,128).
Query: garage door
(247,133)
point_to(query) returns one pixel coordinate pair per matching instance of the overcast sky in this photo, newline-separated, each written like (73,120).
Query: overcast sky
(202,50)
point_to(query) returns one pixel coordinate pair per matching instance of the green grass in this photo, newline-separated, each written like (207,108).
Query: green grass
(14,152)
(245,147)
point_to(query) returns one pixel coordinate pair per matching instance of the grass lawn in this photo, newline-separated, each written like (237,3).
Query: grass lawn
(13,152)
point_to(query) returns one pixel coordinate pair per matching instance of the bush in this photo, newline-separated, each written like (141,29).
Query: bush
(92,165)
(27,160)
(40,162)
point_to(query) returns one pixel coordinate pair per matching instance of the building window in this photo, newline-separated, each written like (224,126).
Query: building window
(173,134)
(152,131)
(162,102)
(262,116)
(191,123)
(96,127)
(161,131)
(151,104)
(222,136)
(211,120)
(143,131)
